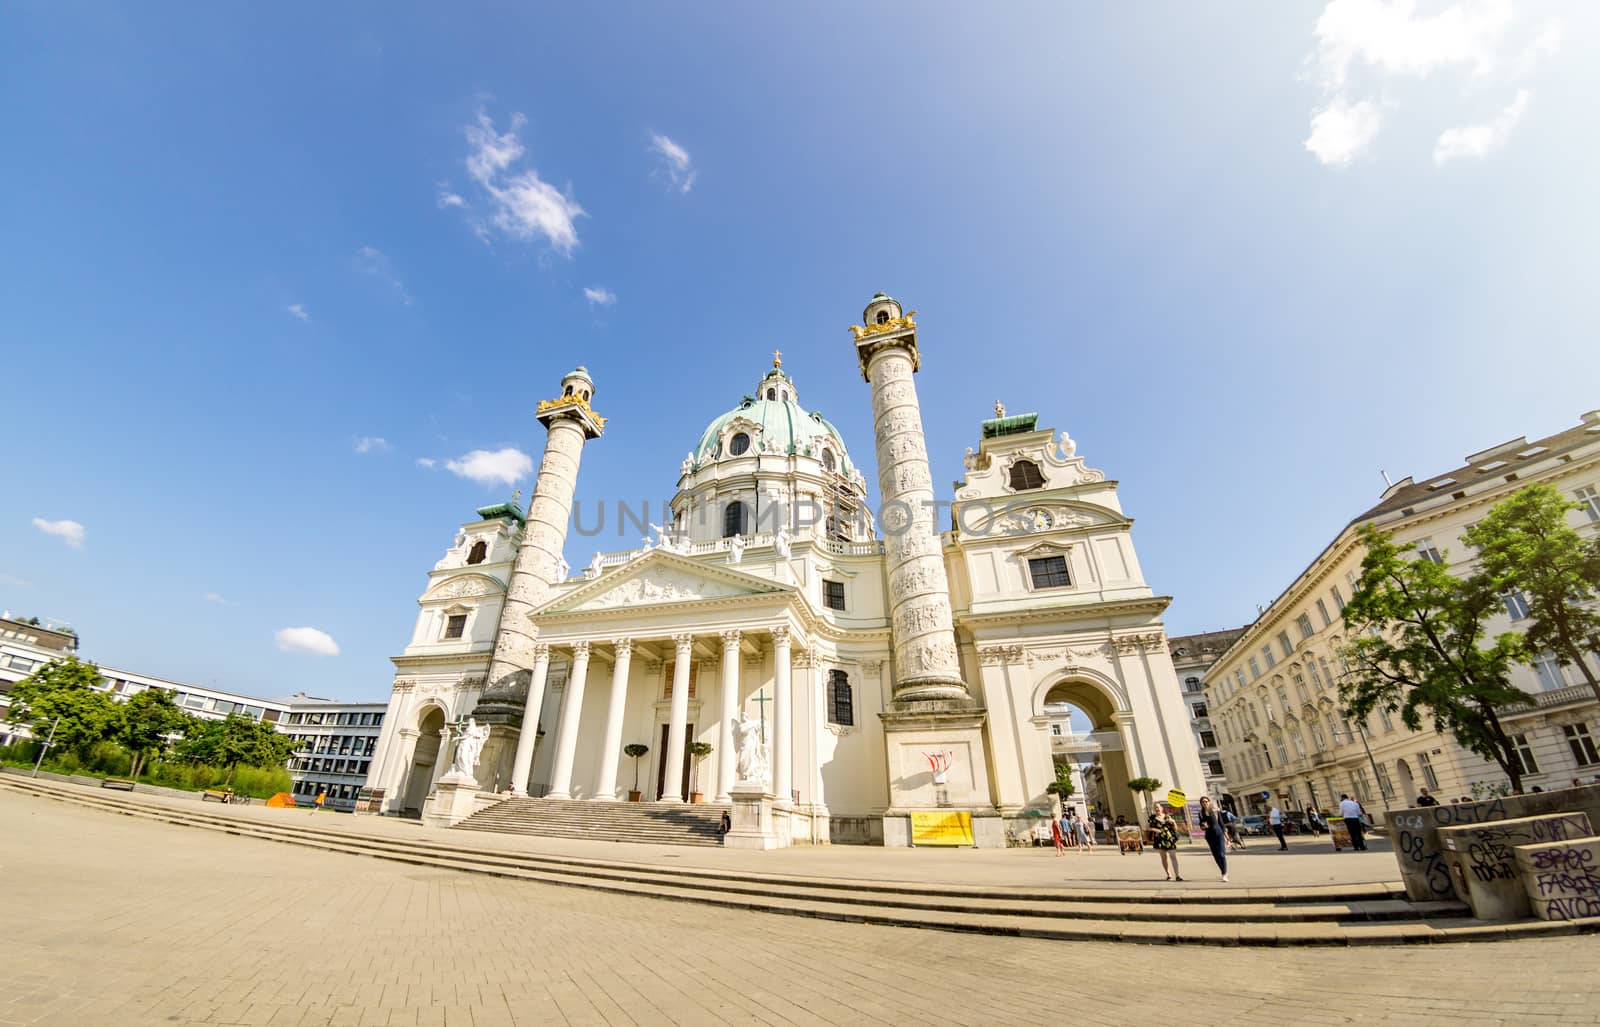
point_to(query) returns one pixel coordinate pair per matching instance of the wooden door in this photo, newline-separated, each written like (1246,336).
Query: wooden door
(661,766)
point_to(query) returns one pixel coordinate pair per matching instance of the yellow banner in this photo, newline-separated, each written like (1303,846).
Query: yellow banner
(941,827)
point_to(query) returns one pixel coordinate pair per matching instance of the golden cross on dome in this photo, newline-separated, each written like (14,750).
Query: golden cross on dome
(777,358)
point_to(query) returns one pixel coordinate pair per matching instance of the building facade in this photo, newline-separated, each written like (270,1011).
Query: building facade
(337,743)
(1274,693)
(1192,656)
(889,672)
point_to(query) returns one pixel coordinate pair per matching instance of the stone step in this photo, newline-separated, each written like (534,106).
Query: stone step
(697,824)
(1308,916)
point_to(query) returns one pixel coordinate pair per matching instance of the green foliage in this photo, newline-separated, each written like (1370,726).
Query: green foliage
(1145,785)
(234,741)
(1062,787)
(65,688)
(636,750)
(1525,543)
(1419,646)
(148,717)
(699,750)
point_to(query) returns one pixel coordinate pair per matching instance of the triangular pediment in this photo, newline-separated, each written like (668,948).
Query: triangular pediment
(661,578)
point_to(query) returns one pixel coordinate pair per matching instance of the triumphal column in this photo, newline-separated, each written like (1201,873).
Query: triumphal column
(934,729)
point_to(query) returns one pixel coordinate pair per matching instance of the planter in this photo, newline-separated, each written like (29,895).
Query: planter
(635,796)
(697,796)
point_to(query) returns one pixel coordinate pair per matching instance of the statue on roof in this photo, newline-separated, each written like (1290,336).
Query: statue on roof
(999,409)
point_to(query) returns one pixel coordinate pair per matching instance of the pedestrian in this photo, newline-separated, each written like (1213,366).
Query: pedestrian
(1314,821)
(1424,799)
(1105,826)
(1057,833)
(1275,818)
(1085,834)
(727,823)
(1351,810)
(1211,823)
(1231,823)
(1165,830)
(321,800)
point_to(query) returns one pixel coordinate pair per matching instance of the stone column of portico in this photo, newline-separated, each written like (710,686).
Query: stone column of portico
(569,423)
(782,719)
(532,706)
(677,719)
(925,662)
(611,744)
(441,763)
(567,730)
(726,760)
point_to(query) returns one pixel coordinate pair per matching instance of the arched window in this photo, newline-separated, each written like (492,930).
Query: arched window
(1025,475)
(828,460)
(883,317)
(479,550)
(772,393)
(567,391)
(735,520)
(841,703)
(739,444)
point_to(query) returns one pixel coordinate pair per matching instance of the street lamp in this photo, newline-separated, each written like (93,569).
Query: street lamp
(1361,732)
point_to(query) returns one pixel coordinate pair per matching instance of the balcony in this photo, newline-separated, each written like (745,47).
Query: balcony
(1085,744)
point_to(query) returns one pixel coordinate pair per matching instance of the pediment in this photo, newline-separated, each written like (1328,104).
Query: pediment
(463,586)
(660,578)
(1032,517)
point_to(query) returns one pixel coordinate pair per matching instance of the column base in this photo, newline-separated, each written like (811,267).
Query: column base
(454,799)
(937,753)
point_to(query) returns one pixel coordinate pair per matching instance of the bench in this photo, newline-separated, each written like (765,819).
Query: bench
(216,795)
(120,783)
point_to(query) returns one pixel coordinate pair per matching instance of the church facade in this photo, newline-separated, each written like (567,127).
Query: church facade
(897,660)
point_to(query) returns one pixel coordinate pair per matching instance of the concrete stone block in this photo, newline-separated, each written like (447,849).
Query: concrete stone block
(1562,878)
(1483,865)
(1423,868)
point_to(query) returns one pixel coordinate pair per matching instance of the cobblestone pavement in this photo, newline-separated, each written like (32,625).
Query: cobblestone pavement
(111,920)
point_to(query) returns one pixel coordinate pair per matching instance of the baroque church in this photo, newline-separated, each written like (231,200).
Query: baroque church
(905,660)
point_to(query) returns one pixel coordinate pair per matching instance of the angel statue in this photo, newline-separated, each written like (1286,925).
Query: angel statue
(595,565)
(752,763)
(780,543)
(736,546)
(469,744)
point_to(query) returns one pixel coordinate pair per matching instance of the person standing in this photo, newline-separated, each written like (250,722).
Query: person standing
(1216,841)
(1351,811)
(1105,826)
(1165,831)
(1230,823)
(1314,820)
(1084,833)
(1424,799)
(1275,818)
(1057,833)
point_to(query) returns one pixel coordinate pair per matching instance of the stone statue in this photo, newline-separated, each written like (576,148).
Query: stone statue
(687,465)
(563,568)
(736,549)
(663,537)
(1068,447)
(999,409)
(752,763)
(461,536)
(969,461)
(595,565)
(468,745)
(644,545)
(780,543)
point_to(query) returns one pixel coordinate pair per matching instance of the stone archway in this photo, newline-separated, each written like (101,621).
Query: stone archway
(1100,752)
(424,760)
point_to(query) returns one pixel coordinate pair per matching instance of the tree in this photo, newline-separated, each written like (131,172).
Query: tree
(148,719)
(66,688)
(1420,647)
(698,751)
(636,750)
(1145,786)
(235,740)
(1062,787)
(1526,545)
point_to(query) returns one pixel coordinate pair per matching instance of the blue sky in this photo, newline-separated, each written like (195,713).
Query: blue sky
(1246,265)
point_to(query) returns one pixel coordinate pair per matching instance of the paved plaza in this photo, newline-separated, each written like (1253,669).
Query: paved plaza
(114,920)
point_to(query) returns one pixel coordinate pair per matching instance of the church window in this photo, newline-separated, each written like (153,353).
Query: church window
(739,444)
(841,703)
(480,549)
(883,317)
(828,460)
(735,520)
(455,626)
(772,393)
(1049,572)
(1025,475)
(833,594)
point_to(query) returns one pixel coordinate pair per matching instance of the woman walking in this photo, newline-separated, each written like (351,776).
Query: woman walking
(1085,833)
(1216,838)
(1055,836)
(1165,831)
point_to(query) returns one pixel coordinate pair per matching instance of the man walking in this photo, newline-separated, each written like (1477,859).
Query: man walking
(1275,818)
(1350,809)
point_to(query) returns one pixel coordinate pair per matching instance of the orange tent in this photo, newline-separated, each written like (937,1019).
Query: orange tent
(283,800)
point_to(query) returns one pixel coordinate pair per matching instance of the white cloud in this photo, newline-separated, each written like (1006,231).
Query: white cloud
(298,310)
(213,597)
(374,262)
(523,206)
(599,295)
(450,199)
(426,461)
(70,532)
(306,640)
(1342,129)
(1370,45)
(14,581)
(502,467)
(673,162)
(1481,140)
(372,444)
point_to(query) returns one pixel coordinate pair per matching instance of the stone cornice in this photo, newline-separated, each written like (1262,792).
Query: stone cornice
(1153,606)
(404,662)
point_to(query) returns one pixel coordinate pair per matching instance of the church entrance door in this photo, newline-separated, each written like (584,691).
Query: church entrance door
(661,770)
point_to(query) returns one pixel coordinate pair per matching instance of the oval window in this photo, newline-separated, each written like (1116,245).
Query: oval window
(828,461)
(739,444)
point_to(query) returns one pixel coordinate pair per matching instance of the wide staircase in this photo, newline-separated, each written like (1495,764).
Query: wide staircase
(698,824)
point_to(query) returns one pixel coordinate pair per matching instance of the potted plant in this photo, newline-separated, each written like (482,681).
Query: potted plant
(635,750)
(1062,787)
(698,750)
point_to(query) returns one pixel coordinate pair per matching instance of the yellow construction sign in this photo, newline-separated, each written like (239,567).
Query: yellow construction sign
(941,827)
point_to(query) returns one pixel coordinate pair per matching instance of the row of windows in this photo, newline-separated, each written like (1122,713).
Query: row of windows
(320,765)
(310,789)
(345,719)
(338,745)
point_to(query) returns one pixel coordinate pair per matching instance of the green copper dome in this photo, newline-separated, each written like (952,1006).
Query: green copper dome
(785,428)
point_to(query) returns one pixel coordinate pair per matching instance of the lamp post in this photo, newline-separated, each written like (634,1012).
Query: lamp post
(48,742)
(1361,732)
